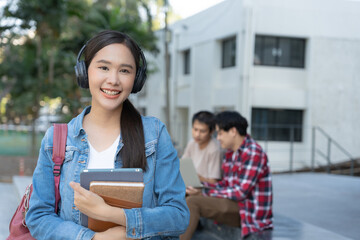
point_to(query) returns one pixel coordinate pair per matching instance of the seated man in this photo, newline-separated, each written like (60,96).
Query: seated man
(243,197)
(204,150)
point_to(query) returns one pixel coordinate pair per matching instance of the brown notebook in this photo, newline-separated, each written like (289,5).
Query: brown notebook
(117,194)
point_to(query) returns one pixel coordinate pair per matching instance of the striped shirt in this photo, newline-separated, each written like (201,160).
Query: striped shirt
(247,180)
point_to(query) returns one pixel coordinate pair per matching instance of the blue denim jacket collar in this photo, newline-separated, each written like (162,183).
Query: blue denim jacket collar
(78,124)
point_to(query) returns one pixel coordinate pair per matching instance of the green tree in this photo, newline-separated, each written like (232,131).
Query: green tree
(45,19)
(39,43)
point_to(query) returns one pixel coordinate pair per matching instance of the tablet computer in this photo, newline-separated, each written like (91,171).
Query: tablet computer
(188,173)
(112,175)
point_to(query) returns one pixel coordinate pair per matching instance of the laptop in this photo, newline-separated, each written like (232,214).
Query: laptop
(188,173)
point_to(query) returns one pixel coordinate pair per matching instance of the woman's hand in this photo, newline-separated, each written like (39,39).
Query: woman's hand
(95,207)
(88,202)
(115,233)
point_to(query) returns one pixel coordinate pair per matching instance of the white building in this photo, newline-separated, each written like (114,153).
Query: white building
(281,63)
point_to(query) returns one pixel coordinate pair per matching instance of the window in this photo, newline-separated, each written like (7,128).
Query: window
(279,51)
(186,58)
(276,125)
(229,52)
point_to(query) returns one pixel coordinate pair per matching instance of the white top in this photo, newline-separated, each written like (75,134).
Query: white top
(207,161)
(104,159)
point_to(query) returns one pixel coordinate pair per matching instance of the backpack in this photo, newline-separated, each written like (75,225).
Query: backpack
(17,228)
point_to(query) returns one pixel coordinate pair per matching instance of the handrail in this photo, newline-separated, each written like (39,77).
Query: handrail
(291,139)
(335,142)
(291,128)
(328,156)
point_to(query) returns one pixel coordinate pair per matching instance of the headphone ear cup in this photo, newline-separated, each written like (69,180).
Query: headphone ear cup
(81,74)
(140,76)
(139,80)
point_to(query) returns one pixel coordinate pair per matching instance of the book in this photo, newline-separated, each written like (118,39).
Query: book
(108,175)
(117,194)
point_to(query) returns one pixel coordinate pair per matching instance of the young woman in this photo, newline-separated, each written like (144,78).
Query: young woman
(114,67)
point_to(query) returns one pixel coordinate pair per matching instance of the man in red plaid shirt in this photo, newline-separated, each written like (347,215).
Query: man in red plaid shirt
(243,197)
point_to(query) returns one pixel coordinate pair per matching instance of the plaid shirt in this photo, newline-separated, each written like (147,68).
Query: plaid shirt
(247,180)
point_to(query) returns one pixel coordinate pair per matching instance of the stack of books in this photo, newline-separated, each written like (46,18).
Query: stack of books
(122,188)
(117,194)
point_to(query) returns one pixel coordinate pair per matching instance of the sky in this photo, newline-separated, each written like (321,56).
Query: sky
(187,8)
(184,8)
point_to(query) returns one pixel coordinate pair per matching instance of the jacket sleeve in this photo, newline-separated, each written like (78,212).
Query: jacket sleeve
(171,215)
(41,218)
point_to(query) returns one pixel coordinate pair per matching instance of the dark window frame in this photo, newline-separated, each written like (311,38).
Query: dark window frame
(186,62)
(296,58)
(228,60)
(281,125)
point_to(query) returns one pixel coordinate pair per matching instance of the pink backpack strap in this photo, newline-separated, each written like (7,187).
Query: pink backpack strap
(59,143)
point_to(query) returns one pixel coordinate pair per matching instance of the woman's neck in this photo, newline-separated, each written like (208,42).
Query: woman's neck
(104,118)
(102,127)
(104,121)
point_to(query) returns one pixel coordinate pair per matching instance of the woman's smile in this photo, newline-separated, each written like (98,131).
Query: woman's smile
(109,93)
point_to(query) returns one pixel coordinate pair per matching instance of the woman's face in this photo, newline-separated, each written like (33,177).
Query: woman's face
(111,76)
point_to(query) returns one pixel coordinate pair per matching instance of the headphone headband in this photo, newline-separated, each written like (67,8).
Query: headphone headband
(81,52)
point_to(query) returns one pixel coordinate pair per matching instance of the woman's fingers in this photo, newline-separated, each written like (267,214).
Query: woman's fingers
(77,188)
(87,202)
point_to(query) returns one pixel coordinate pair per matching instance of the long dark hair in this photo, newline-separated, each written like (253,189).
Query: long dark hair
(132,130)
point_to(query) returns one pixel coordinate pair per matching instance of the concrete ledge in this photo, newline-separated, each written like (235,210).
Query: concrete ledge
(306,206)
(285,229)
(221,230)
(20,183)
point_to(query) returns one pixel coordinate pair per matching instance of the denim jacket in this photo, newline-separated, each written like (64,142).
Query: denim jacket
(164,214)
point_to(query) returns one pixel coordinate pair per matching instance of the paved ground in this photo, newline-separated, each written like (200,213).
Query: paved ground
(307,206)
(328,202)
(10,198)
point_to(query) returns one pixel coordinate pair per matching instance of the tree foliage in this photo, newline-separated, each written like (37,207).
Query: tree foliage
(42,65)
(39,42)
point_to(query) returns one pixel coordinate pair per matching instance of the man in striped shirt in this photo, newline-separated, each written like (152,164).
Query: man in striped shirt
(243,197)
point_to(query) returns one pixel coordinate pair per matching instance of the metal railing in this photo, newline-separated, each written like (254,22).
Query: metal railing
(327,156)
(290,133)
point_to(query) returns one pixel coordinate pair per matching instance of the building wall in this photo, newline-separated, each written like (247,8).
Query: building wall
(332,44)
(333,87)
(325,89)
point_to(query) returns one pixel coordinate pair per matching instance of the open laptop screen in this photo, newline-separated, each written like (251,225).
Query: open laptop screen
(188,173)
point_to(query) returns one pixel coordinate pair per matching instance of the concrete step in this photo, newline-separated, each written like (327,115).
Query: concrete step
(8,203)
(11,194)
(306,206)
(20,184)
(285,228)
